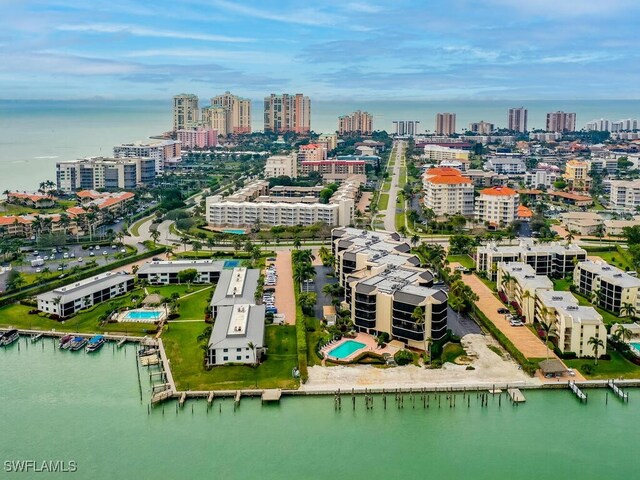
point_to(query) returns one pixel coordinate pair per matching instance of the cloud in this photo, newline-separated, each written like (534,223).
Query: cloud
(307,16)
(363,7)
(150,32)
(244,56)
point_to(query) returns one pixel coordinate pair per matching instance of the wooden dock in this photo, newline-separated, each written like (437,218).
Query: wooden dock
(121,342)
(579,393)
(516,395)
(236,400)
(148,360)
(161,396)
(183,398)
(210,398)
(35,337)
(271,395)
(622,395)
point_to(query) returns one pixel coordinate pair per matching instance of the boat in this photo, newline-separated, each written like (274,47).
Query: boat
(9,337)
(95,343)
(65,342)
(77,343)
(143,352)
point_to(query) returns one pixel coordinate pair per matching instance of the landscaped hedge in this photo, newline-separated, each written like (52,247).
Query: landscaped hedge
(301,338)
(61,282)
(528,366)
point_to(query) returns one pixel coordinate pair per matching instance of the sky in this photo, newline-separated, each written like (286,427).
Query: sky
(327,49)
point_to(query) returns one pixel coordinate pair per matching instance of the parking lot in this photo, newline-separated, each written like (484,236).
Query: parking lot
(67,257)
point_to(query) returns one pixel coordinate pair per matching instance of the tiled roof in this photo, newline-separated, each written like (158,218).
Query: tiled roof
(506,191)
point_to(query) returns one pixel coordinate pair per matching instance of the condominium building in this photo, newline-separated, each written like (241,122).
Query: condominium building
(554,259)
(625,193)
(185,111)
(481,127)
(520,284)
(232,114)
(357,122)
(237,286)
(628,124)
(498,206)
(104,173)
(574,324)
(66,301)
(162,272)
(561,122)
(165,153)
(312,152)
(438,153)
(237,336)
(201,137)
(281,166)
(517,120)
(31,200)
(329,140)
(333,167)
(276,211)
(445,123)
(215,118)
(287,113)
(609,286)
(386,290)
(601,125)
(406,127)
(447,192)
(577,175)
(538,177)
(508,165)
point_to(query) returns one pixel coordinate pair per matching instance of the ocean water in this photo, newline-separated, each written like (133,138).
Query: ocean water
(36,134)
(64,406)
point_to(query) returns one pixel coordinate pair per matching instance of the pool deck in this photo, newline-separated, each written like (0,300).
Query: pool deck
(123,317)
(369,342)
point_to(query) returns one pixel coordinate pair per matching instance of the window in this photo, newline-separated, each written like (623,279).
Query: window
(239,357)
(238,349)
(247,357)
(225,350)
(225,358)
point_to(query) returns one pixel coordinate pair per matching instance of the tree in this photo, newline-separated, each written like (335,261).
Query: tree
(596,343)
(307,301)
(415,240)
(197,245)
(187,276)
(303,271)
(569,237)
(297,243)
(599,233)
(549,329)
(627,309)
(155,236)
(623,333)
(403,231)
(252,346)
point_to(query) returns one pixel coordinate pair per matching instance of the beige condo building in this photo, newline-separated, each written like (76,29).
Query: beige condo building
(287,113)
(185,111)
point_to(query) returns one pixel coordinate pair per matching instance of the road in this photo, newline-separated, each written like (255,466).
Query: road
(390,213)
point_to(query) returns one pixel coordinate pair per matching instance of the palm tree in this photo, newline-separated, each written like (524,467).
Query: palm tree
(623,333)
(184,240)
(252,346)
(418,317)
(323,253)
(627,309)
(155,236)
(595,296)
(596,343)
(569,237)
(415,240)
(549,330)
(599,233)
(303,271)
(506,278)
(196,246)
(403,231)
(297,243)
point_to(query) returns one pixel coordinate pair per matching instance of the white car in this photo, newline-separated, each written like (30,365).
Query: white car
(38,270)
(80,259)
(105,253)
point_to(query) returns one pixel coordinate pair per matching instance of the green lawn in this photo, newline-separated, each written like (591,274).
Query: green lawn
(451,351)
(465,260)
(386,186)
(17,316)
(489,283)
(135,228)
(187,361)
(618,258)
(403,177)
(192,307)
(562,284)
(10,209)
(400,221)
(313,338)
(383,203)
(617,367)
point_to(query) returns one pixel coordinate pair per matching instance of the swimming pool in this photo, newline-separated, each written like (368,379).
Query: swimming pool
(231,263)
(234,231)
(142,316)
(636,346)
(345,349)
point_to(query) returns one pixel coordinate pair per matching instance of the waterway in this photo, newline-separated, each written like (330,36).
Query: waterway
(86,408)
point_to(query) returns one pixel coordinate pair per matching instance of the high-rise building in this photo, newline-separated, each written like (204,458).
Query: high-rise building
(445,123)
(498,206)
(185,111)
(234,111)
(287,113)
(561,122)
(481,127)
(448,192)
(624,125)
(104,173)
(357,122)
(166,153)
(601,125)
(406,127)
(518,119)
(198,137)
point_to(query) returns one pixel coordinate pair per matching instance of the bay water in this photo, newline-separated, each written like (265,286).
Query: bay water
(86,408)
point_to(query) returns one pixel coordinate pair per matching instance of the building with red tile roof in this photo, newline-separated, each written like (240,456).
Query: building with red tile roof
(497,206)
(448,192)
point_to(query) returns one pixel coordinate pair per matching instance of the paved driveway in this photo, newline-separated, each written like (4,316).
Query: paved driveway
(320,281)
(285,298)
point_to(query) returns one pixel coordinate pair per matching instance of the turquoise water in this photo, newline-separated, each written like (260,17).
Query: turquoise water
(58,406)
(231,263)
(234,231)
(37,133)
(345,349)
(142,315)
(636,346)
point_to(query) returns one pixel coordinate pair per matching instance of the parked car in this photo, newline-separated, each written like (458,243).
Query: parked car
(516,323)
(503,311)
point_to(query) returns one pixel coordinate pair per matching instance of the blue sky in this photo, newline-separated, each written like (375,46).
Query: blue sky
(342,49)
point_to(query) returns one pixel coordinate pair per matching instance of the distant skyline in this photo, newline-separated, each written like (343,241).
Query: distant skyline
(331,50)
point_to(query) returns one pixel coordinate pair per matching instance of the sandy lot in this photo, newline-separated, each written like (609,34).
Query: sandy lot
(490,369)
(285,298)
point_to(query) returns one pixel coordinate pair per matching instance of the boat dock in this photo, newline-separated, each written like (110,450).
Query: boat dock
(122,341)
(35,337)
(236,400)
(271,395)
(183,398)
(149,360)
(579,393)
(516,395)
(622,395)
